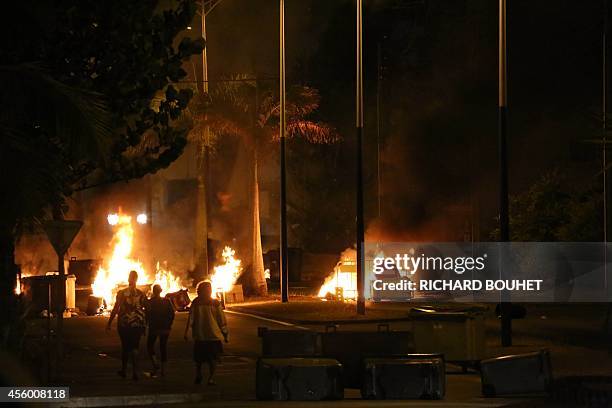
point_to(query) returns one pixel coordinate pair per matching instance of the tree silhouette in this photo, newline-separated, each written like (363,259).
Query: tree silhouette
(240,107)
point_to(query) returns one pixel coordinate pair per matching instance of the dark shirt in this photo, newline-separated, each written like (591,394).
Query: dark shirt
(160,314)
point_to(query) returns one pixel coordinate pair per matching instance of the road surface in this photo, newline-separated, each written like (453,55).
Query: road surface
(93,358)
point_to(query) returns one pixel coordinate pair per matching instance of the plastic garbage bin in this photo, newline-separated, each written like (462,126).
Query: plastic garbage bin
(458,334)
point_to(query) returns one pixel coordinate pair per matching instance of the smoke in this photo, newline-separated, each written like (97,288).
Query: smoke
(35,255)
(349,254)
(448,224)
(167,238)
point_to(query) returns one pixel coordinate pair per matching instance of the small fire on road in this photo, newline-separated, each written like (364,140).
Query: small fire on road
(226,275)
(341,284)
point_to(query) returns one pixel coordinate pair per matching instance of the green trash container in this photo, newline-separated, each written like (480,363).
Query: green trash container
(298,379)
(458,334)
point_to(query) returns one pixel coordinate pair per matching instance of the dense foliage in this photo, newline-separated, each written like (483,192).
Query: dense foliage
(87,98)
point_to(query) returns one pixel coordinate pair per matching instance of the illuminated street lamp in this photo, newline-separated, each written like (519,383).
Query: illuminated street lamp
(141,218)
(113,219)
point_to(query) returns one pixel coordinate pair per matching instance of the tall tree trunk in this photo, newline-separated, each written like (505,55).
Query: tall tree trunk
(258,278)
(8,273)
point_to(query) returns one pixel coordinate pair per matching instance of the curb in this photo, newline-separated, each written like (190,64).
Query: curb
(587,391)
(317,322)
(131,400)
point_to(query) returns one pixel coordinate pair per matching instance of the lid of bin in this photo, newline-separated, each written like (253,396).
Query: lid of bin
(422,313)
(405,356)
(299,361)
(403,361)
(542,352)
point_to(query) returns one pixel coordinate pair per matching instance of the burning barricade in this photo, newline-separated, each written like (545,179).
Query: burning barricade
(226,275)
(112,276)
(341,284)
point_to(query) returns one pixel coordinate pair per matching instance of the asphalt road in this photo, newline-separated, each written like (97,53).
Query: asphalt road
(93,358)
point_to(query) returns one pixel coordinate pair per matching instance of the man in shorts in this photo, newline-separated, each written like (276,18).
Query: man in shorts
(130,308)
(208,328)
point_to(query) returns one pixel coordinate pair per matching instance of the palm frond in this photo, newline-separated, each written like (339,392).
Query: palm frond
(149,144)
(313,132)
(229,110)
(302,101)
(77,117)
(268,108)
(38,172)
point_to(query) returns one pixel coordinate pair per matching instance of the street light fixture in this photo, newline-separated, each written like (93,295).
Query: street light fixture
(142,218)
(113,219)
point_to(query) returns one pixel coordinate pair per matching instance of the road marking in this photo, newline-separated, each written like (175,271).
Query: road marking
(267,320)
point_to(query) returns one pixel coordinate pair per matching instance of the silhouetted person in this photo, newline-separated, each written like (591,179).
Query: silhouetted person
(160,315)
(130,307)
(208,328)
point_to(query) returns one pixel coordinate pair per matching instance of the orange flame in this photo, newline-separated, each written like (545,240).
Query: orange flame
(111,277)
(343,279)
(225,275)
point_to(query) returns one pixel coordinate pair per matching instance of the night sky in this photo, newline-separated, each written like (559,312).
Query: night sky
(438,112)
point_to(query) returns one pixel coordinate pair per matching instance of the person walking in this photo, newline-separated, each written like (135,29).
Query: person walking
(160,315)
(208,327)
(130,309)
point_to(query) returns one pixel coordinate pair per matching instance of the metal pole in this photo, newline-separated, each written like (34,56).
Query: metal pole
(604,141)
(149,226)
(283,254)
(604,128)
(506,307)
(204,52)
(378,79)
(49,330)
(201,244)
(61,307)
(359,180)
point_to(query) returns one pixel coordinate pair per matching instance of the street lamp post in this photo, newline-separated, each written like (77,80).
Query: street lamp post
(359,179)
(203,176)
(604,147)
(283,253)
(505,307)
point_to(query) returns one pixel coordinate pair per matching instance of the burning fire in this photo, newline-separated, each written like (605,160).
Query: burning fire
(167,280)
(111,277)
(18,288)
(225,275)
(343,280)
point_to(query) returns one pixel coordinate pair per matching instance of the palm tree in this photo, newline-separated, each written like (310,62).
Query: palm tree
(52,135)
(239,107)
